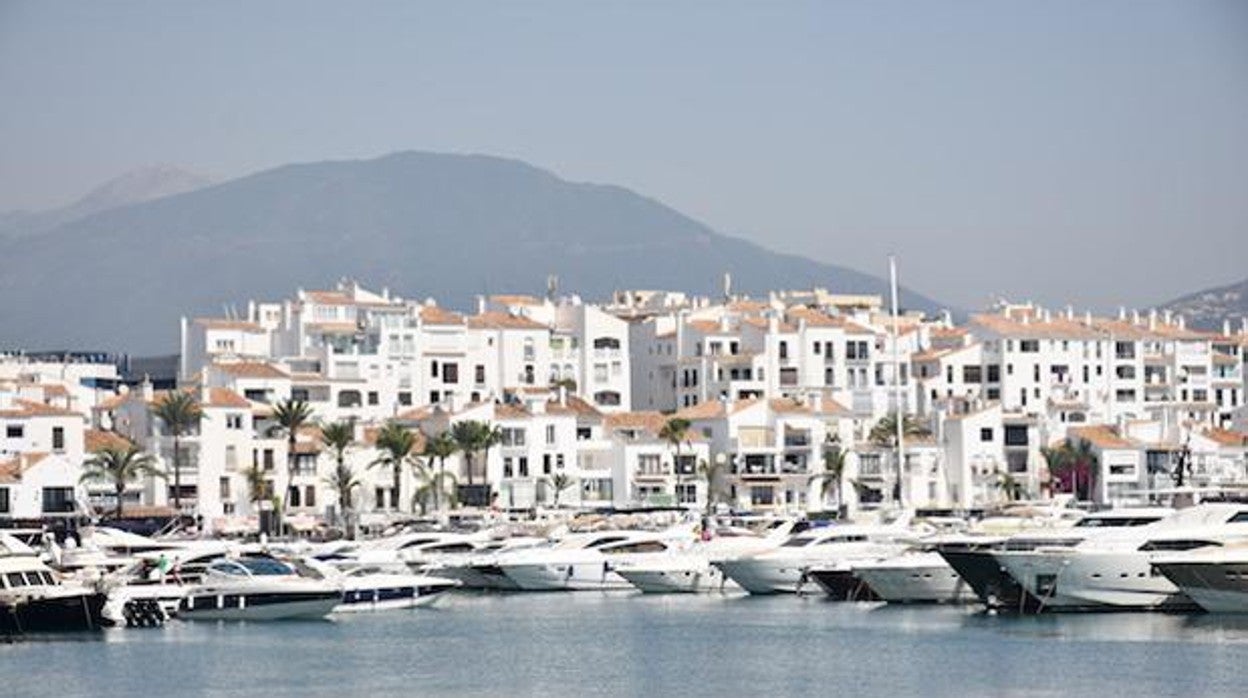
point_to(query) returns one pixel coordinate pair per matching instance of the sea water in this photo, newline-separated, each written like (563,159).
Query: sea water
(611,644)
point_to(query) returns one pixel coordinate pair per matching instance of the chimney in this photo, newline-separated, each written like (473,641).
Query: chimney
(1182,322)
(1122,312)
(773,323)
(1048,316)
(1087,318)
(1168,315)
(563,395)
(1135,317)
(1070,312)
(947,318)
(1226,327)
(480,304)
(723,323)
(727,286)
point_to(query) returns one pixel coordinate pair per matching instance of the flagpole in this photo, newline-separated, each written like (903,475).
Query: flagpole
(898,404)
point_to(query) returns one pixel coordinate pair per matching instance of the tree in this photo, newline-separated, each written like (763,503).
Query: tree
(340,437)
(675,431)
(833,471)
(290,415)
(258,489)
(119,466)
(712,471)
(474,437)
(432,484)
(441,447)
(1073,466)
(560,482)
(1010,486)
(180,412)
(395,443)
(884,434)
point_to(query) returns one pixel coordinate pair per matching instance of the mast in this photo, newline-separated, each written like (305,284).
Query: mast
(899,402)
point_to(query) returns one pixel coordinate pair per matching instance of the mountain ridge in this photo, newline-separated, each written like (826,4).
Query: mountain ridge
(441,225)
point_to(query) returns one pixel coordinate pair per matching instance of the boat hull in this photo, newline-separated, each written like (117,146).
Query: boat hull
(260,606)
(56,613)
(928,583)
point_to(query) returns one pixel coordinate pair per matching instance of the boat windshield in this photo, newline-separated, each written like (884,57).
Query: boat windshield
(797,542)
(255,566)
(1114,521)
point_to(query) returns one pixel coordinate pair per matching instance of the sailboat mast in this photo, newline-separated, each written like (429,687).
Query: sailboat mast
(898,400)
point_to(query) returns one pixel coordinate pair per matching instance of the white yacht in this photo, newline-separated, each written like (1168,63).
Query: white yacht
(584,561)
(974,557)
(1216,578)
(152,587)
(478,569)
(392,552)
(917,575)
(33,599)
(258,588)
(1114,570)
(369,588)
(691,570)
(813,554)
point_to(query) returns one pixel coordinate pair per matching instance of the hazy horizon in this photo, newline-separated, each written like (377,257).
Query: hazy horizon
(1068,152)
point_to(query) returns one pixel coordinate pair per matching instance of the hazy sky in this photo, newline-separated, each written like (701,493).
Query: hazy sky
(1087,152)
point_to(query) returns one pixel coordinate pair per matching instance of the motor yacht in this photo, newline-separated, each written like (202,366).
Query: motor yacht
(34,599)
(819,555)
(917,575)
(371,588)
(1114,570)
(974,557)
(478,569)
(259,587)
(691,570)
(585,561)
(150,590)
(1215,578)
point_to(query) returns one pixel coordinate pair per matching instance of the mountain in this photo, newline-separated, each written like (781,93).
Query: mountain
(422,224)
(1211,307)
(136,186)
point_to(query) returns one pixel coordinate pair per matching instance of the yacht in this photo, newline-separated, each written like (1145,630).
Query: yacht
(918,575)
(1215,578)
(478,569)
(974,557)
(392,553)
(33,599)
(1114,570)
(818,554)
(150,590)
(585,561)
(371,588)
(692,570)
(259,587)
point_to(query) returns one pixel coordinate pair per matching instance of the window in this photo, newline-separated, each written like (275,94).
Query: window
(14,431)
(994,373)
(1015,435)
(1029,346)
(5,507)
(985,434)
(815,349)
(58,438)
(512,437)
(292,496)
(309,496)
(58,500)
(233,421)
(972,374)
(479,374)
(784,350)
(450,373)
(349,398)
(379,498)
(1035,373)
(373,397)
(223,488)
(550,433)
(523,465)
(607,398)
(606,343)
(1125,372)
(856,351)
(433,369)
(545,463)
(405,398)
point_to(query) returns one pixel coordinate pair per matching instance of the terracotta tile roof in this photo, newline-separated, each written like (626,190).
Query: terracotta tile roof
(328,297)
(574,405)
(1102,436)
(929,355)
(714,409)
(507,411)
(251,369)
(213,323)
(1225,359)
(224,397)
(748,306)
(1056,328)
(1226,437)
(29,408)
(762,324)
(515,299)
(11,471)
(651,422)
(942,331)
(788,405)
(96,440)
(433,315)
(307,447)
(707,327)
(494,320)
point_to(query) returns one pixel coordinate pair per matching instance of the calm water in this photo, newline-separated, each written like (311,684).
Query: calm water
(594,644)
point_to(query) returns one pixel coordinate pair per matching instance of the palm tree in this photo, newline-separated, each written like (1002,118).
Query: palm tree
(396,443)
(180,412)
(432,485)
(884,434)
(711,471)
(1057,459)
(258,489)
(560,482)
(1073,465)
(474,437)
(833,472)
(340,437)
(1011,486)
(441,447)
(119,466)
(675,431)
(290,416)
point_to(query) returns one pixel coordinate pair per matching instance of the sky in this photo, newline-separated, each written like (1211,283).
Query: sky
(1093,153)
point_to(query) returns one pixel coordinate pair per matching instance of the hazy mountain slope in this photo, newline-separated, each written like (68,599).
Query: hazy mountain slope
(447,226)
(1209,308)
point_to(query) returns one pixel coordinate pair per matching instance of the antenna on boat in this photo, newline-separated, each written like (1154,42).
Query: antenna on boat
(898,400)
